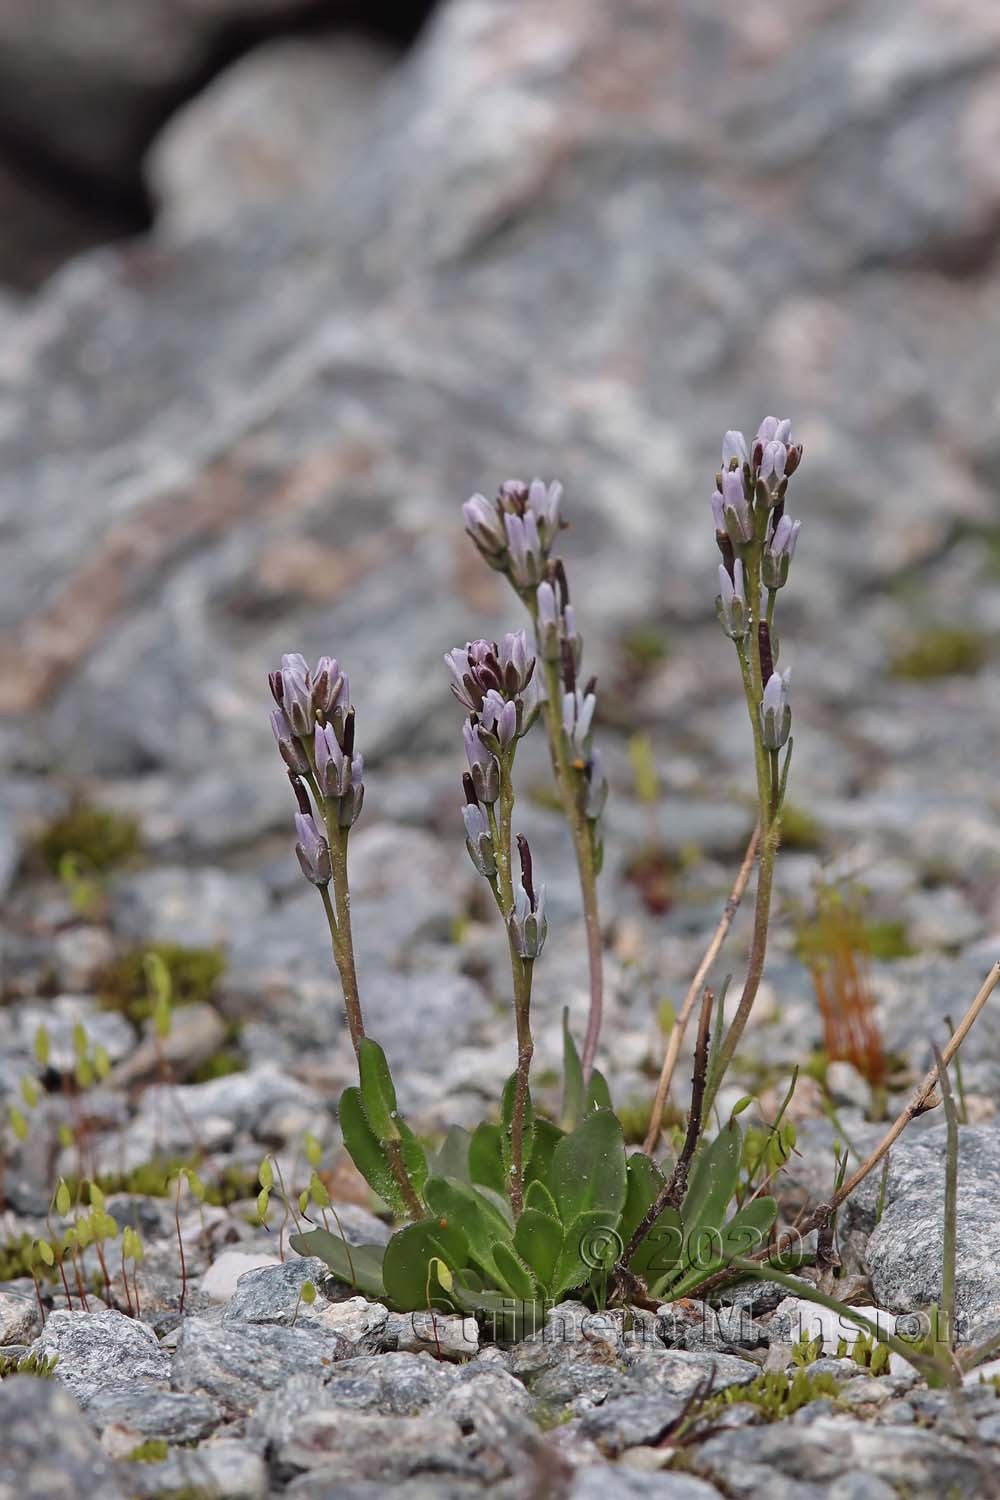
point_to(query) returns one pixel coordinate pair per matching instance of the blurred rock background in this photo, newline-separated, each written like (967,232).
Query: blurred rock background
(285,281)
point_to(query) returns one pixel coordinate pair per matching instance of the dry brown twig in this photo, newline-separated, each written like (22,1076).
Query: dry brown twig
(691,998)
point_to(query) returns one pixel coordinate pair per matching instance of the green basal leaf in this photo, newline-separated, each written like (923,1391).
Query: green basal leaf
(414,1156)
(745,1233)
(406,1270)
(482,1225)
(713,1182)
(547,1138)
(590,1242)
(572,1099)
(514,1273)
(377,1091)
(359,1266)
(499,1203)
(538,1196)
(643,1180)
(658,1254)
(452,1158)
(588,1168)
(598,1094)
(506,1125)
(365,1150)
(505,1319)
(538,1240)
(486,1158)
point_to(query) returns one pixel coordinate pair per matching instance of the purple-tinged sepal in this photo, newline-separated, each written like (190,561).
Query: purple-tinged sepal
(731,602)
(478,840)
(527,924)
(313,850)
(775,711)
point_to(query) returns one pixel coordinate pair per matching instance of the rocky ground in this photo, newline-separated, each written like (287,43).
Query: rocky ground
(566,238)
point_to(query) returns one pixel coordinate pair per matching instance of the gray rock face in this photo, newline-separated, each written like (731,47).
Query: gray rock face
(279,122)
(905,1254)
(235,1363)
(101,1349)
(20,1319)
(601,1482)
(49,1452)
(139,1414)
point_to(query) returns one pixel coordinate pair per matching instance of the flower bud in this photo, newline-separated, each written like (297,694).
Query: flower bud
(779,549)
(289,748)
(484,523)
(313,851)
(578,715)
(737,514)
(597,787)
(478,840)
(731,602)
(526,555)
(527,924)
(483,767)
(734,450)
(775,712)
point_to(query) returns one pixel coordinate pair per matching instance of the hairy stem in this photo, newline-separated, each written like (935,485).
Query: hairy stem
(521,971)
(337,838)
(570,784)
(680,1025)
(672,1192)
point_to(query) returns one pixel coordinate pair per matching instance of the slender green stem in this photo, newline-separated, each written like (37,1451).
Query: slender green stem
(770,814)
(521,971)
(342,894)
(569,781)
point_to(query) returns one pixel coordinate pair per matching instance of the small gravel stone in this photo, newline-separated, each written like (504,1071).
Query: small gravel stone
(135,1414)
(20,1319)
(102,1350)
(234,1362)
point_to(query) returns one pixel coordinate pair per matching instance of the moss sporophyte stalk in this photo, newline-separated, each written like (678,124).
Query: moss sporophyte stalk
(505,1219)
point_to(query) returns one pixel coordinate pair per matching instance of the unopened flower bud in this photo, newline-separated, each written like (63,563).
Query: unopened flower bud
(296,696)
(524,547)
(548,622)
(734,450)
(528,927)
(484,523)
(731,602)
(339,772)
(313,851)
(775,712)
(484,770)
(578,716)
(736,511)
(289,748)
(597,786)
(779,549)
(478,840)
(500,720)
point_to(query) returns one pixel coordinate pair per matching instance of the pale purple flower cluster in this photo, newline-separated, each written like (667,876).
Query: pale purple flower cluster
(515,531)
(313,726)
(495,681)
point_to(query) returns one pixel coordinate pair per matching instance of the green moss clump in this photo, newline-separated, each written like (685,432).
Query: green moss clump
(42,1366)
(100,839)
(775,1394)
(888,940)
(15,1261)
(152,1179)
(152,1451)
(194,975)
(941,651)
(799,829)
